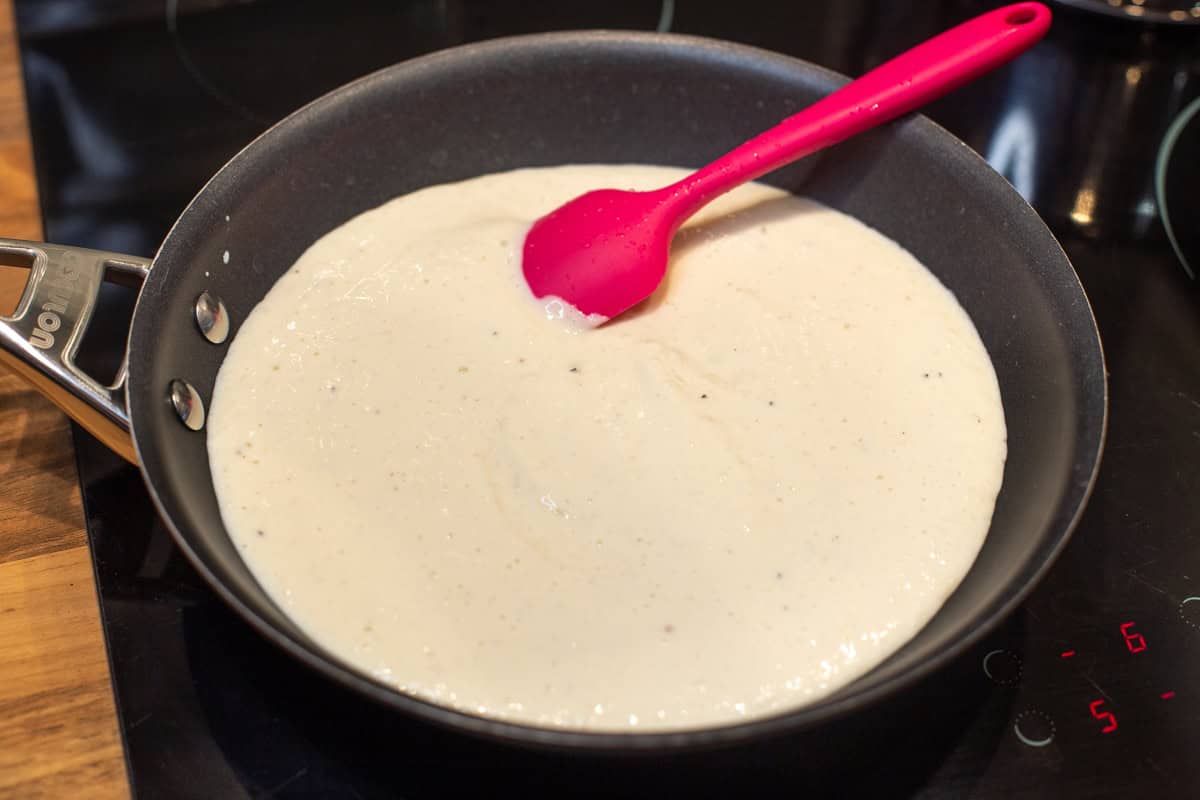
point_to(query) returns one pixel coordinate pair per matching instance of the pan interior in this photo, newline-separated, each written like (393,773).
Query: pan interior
(570,98)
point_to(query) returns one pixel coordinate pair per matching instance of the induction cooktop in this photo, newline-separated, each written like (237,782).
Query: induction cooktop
(1088,690)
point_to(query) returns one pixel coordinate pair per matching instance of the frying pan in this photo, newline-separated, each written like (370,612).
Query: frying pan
(554,99)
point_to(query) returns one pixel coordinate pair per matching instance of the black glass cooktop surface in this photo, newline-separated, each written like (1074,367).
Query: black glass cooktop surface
(1088,690)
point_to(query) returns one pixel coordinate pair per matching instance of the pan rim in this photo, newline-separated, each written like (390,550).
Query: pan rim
(840,704)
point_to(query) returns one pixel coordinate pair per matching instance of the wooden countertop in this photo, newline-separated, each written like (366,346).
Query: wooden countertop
(58,722)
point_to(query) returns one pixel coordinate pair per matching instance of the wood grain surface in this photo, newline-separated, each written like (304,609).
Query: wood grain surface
(58,724)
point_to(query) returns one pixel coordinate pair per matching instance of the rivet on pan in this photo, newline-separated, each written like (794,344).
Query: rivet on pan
(187,404)
(211,317)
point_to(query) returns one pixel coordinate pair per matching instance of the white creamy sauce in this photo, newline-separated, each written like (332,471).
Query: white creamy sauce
(725,504)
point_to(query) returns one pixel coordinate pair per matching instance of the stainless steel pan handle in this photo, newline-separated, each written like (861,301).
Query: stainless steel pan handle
(40,340)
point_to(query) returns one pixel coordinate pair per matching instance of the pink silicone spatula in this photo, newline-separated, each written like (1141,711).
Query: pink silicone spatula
(606,251)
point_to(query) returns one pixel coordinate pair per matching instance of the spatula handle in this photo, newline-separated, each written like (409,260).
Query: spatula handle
(909,81)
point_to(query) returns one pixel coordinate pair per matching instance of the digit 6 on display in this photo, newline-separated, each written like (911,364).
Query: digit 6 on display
(1134,641)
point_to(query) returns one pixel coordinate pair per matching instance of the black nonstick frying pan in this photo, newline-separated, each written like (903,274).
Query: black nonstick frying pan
(554,99)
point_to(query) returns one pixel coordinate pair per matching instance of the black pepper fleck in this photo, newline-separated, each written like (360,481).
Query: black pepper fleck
(703,397)
(260,532)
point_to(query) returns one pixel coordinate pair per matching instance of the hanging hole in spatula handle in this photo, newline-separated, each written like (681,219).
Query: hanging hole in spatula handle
(1021,16)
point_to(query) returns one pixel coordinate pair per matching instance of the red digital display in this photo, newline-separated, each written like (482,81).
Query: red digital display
(1167,695)
(1067,653)
(1110,722)
(1134,641)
